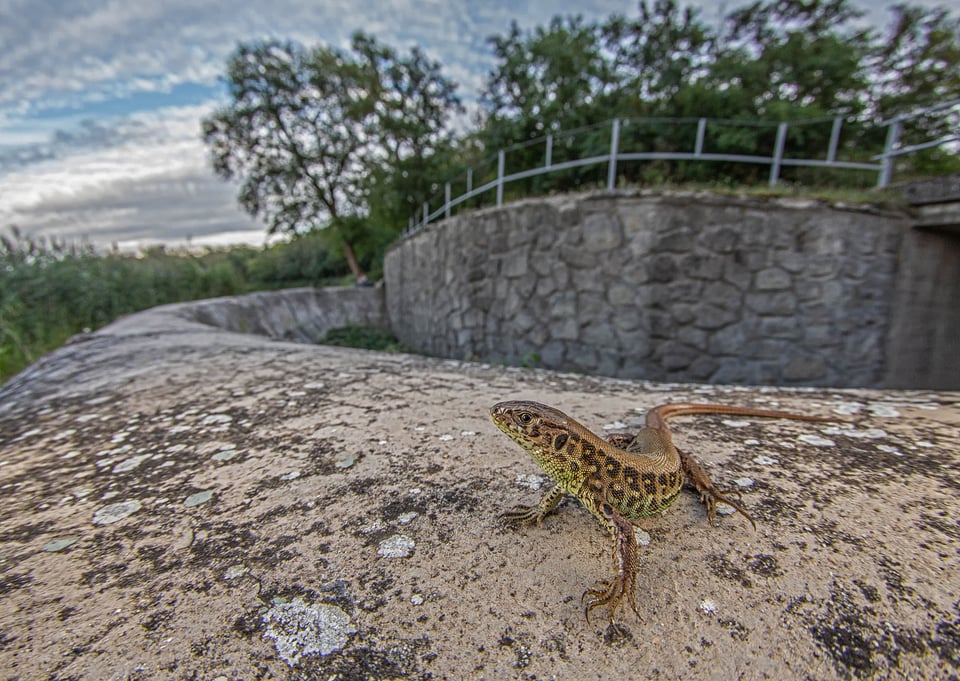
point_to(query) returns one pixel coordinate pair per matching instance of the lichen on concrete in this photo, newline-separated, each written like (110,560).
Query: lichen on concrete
(299,628)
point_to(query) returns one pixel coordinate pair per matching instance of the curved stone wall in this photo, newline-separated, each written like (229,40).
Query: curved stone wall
(665,286)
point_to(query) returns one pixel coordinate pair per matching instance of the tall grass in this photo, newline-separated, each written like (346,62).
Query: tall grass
(51,290)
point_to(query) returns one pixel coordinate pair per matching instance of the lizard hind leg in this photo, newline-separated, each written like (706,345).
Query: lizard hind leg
(710,495)
(626,561)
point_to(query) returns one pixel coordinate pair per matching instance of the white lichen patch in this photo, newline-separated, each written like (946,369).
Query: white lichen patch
(60,544)
(299,628)
(615,425)
(397,546)
(725,509)
(407,518)
(416,599)
(765,460)
(467,433)
(883,410)
(292,475)
(198,498)
(816,440)
(130,464)
(446,438)
(216,420)
(346,460)
(114,512)
(531,481)
(642,536)
(224,455)
(851,431)
(890,450)
(752,442)
(847,408)
(731,423)
(707,607)
(237,570)
(743,482)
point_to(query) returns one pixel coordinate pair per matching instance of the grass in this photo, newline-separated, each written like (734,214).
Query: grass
(51,290)
(365,337)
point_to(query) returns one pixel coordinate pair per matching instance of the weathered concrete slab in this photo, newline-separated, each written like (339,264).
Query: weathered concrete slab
(184,502)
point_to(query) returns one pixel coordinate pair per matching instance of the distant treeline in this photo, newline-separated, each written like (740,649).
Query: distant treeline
(51,290)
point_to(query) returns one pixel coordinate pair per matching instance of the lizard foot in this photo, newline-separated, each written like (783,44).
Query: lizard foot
(610,594)
(521,515)
(711,497)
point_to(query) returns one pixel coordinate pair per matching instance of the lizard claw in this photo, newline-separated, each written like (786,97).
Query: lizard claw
(709,498)
(610,594)
(520,515)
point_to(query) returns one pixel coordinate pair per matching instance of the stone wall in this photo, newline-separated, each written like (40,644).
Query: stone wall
(664,286)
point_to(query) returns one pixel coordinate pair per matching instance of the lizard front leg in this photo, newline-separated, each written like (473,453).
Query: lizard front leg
(521,515)
(710,495)
(626,563)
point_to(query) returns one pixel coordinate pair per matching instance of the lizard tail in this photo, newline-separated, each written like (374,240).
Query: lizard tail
(657,417)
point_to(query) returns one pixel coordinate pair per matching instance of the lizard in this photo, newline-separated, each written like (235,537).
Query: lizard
(619,479)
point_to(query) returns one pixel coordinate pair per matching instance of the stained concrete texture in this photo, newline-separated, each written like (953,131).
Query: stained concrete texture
(183,502)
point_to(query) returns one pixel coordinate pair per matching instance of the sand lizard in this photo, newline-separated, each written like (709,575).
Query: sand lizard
(618,479)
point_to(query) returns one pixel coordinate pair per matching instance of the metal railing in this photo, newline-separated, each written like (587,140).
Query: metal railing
(882,165)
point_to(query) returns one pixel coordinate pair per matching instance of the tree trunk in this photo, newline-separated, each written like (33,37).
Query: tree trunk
(352,261)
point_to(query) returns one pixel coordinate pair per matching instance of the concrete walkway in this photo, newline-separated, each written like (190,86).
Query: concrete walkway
(185,502)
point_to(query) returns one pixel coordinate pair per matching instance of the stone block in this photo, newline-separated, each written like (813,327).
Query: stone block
(774,303)
(728,341)
(772,279)
(514,264)
(804,368)
(702,266)
(621,295)
(551,354)
(577,257)
(663,268)
(601,233)
(675,355)
(715,317)
(721,294)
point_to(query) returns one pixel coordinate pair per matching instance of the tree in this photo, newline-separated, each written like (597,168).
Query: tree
(307,128)
(915,66)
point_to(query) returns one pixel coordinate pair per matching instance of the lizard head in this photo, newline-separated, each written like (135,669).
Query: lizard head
(531,424)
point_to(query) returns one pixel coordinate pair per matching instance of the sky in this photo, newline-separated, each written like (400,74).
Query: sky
(101,100)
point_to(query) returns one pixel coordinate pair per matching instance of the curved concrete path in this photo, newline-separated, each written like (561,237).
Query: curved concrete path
(181,501)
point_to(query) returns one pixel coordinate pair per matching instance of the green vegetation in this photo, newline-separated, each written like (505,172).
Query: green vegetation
(50,291)
(365,337)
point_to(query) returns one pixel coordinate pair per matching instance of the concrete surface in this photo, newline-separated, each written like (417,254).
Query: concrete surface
(184,502)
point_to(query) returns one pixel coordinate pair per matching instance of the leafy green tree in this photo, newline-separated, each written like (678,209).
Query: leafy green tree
(916,65)
(307,127)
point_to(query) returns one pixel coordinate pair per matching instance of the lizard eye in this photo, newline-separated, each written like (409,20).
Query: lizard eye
(525,417)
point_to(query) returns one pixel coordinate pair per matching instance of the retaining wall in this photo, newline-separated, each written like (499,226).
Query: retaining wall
(664,286)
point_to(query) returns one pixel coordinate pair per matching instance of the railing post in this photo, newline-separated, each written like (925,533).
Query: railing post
(614,150)
(778,154)
(893,138)
(426,212)
(501,162)
(469,180)
(446,200)
(701,132)
(834,140)
(549,160)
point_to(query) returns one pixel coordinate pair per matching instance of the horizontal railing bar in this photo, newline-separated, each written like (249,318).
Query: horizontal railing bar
(920,147)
